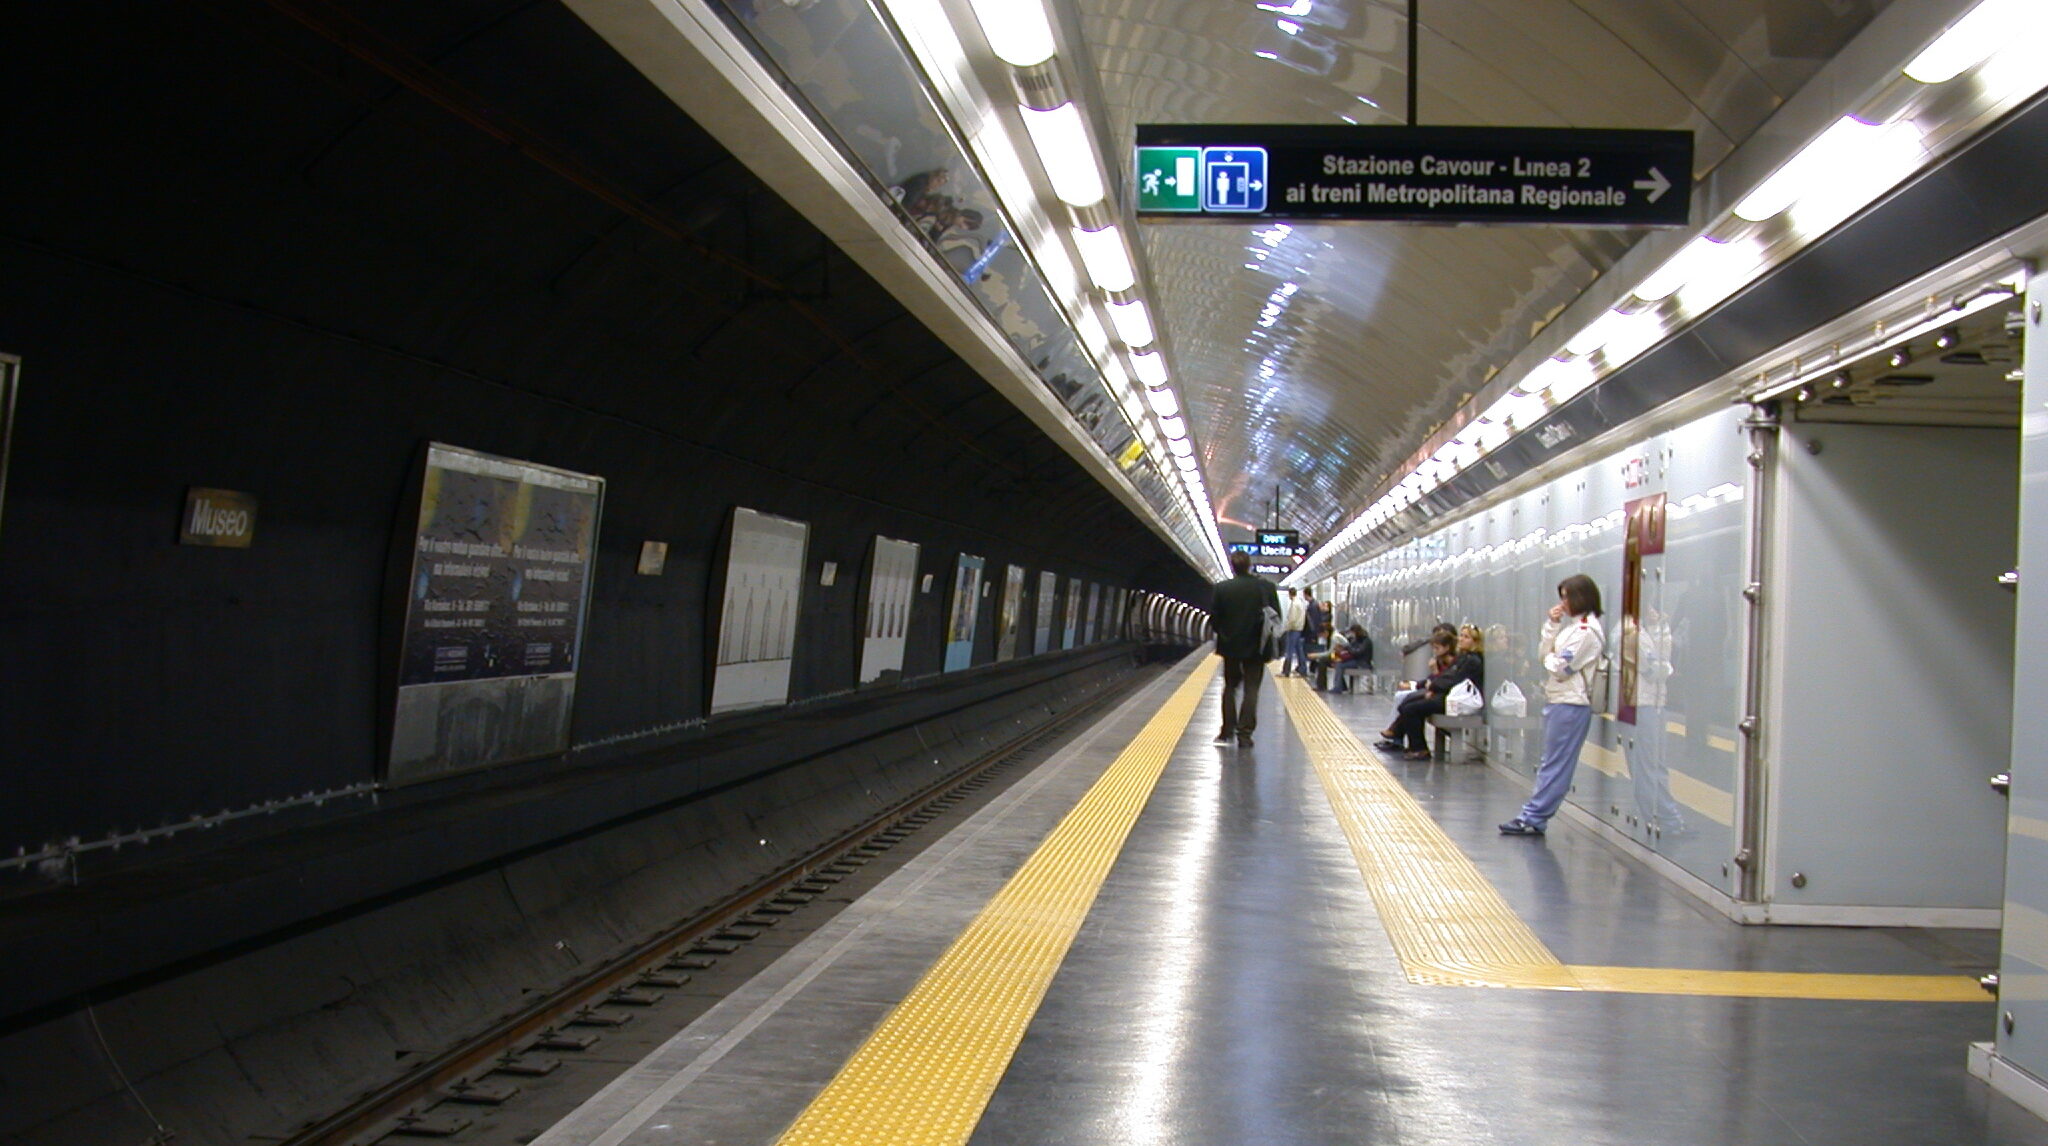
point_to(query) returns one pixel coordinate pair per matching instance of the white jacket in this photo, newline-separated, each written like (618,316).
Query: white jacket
(1571,653)
(1297,614)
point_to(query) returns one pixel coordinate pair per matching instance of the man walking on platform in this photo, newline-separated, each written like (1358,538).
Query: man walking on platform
(1293,655)
(1237,614)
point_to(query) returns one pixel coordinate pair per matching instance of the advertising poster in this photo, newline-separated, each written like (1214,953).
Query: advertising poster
(495,603)
(892,578)
(1645,518)
(966,610)
(1094,625)
(1012,615)
(764,577)
(1070,625)
(1048,601)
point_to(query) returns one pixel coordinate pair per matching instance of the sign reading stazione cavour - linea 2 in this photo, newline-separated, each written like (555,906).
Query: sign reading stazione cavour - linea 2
(1559,176)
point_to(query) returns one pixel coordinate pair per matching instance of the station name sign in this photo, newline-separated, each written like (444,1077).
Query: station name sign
(1556,176)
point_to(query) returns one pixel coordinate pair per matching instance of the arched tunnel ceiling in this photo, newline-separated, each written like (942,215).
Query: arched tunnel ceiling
(1387,328)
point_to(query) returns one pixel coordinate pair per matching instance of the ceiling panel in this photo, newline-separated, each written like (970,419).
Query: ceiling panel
(1319,390)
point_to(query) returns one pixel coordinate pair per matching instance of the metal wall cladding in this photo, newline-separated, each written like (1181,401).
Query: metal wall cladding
(1670,778)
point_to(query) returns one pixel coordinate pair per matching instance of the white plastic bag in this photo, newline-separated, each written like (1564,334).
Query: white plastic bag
(1509,701)
(1464,700)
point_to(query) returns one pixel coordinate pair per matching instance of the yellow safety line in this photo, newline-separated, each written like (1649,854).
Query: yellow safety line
(1451,928)
(925,1075)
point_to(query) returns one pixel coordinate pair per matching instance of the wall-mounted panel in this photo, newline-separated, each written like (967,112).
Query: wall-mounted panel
(892,580)
(495,600)
(1012,615)
(764,576)
(1047,612)
(966,611)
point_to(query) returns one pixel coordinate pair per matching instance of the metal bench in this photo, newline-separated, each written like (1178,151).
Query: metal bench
(1445,725)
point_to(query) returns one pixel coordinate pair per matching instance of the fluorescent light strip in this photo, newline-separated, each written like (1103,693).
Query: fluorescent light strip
(1061,140)
(1017,30)
(1102,252)
(1133,322)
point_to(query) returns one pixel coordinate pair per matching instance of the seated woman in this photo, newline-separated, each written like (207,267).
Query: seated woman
(1355,646)
(1411,719)
(1442,655)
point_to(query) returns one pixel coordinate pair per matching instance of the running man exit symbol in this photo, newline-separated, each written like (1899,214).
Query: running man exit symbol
(1234,178)
(1169,179)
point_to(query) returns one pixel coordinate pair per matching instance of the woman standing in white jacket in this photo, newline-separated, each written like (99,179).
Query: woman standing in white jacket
(1571,647)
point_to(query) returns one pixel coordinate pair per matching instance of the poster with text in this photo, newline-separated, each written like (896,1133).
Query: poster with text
(1048,601)
(764,576)
(966,611)
(495,602)
(1012,615)
(892,579)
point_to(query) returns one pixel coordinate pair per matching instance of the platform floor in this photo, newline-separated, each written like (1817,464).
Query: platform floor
(1155,939)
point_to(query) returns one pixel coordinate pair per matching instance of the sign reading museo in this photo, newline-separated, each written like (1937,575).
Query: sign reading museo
(1559,176)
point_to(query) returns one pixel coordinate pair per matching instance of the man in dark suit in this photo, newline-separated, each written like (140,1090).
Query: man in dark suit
(1237,614)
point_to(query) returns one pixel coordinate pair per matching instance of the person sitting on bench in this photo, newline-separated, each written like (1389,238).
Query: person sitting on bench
(1411,721)
(1352,654)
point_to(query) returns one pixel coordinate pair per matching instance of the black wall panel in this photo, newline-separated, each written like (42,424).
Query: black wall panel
(270,248)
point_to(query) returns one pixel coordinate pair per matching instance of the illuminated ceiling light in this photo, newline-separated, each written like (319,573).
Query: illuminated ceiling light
(1150,367)
(1174,428)
(1587,340)
(1133,322)
(1946,339)
(1289,27)
(1678,270)
(1846,161)
(1898,358)
(1186,462)
(1970,40)
(1181,447)
(1109,265)
(1164,403)
(1065,153)
(1017,30)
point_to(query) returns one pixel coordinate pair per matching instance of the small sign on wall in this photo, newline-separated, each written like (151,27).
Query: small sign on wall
(223,518)
(830,574)
(653,558)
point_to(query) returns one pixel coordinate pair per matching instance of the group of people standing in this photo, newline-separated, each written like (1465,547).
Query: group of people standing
(1570,649)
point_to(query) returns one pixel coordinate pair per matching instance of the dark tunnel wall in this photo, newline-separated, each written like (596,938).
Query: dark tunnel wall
(275,247)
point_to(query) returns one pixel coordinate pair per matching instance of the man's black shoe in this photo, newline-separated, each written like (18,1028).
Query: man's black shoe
(1225,736)
(1244,740)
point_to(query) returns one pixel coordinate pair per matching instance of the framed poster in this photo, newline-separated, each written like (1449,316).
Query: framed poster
(1093,628)
(764,576)
(1072,618)
(966,611)
(1048,604)
(1011,618)
(494,605)
(892,579)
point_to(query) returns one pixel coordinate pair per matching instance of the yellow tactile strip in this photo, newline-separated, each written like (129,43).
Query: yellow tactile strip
(1451,928)
(925,1075)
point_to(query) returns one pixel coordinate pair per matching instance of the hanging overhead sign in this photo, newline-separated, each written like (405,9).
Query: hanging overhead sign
(1557,176)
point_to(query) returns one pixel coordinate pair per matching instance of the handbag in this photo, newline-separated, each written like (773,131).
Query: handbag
(1464,700)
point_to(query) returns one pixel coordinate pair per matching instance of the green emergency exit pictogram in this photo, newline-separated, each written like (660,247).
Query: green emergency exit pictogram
(1170,179)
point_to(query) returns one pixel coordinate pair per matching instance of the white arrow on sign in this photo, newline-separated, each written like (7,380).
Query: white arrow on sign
(1656,185)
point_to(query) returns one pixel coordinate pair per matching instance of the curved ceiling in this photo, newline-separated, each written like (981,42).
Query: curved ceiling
(1314,358)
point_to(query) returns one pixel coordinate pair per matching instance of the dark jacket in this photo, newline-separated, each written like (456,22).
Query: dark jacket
(1313,618)
(1468,666)
(1360,649)
(1234,614)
